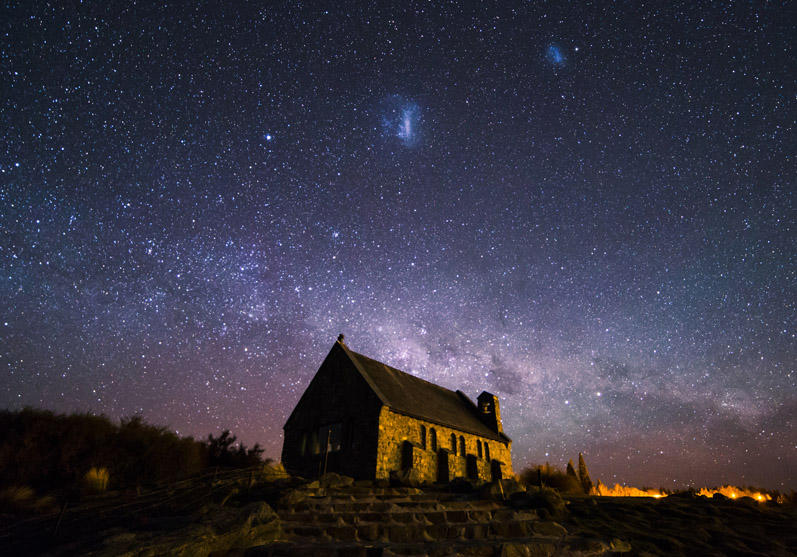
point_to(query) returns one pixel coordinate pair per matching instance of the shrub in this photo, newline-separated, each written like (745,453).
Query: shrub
(551,477)
(223,452)
(96,480)
(22,499)
(48,451)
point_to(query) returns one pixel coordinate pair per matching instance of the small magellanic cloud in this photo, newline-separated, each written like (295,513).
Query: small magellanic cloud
(555,55)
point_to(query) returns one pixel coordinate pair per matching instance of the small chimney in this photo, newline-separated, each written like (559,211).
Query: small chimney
(340,338)
(490,411)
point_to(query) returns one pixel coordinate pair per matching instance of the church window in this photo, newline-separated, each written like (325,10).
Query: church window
(433,436)
(453,443)
(486,451)
(479,448)
(423,437)
(462,445)
(330,438)
(315,448)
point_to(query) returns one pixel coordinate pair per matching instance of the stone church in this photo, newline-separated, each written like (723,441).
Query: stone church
(367,420)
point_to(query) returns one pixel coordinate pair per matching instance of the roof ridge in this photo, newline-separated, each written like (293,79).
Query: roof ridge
(408,374)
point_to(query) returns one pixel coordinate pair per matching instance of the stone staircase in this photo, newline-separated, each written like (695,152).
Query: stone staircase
(407,521)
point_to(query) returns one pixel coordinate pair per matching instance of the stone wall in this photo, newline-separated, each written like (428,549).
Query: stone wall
(395,429)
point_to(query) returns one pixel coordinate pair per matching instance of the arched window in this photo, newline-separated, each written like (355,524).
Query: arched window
(462,445)
(453,443)
(315,447)
(433,440)
(486,451)
(303,446)
(423,437)
(479,448)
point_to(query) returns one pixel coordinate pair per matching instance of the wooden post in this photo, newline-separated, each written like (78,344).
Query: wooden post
(326,449)
(60,516)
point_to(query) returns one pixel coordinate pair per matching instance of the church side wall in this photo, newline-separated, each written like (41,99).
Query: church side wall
(395,429)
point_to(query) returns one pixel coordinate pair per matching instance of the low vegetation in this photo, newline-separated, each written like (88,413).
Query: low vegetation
(546,475)
(50,452)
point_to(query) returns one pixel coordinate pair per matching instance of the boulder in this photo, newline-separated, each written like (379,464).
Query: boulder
(292,497)
(550,529)
(528,549)
(544,499)
(619,546)
(587,547)
(409,478)
(461,485)
(501,489)
(333,480)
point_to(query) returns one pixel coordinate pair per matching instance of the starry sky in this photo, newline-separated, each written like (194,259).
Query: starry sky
(584,208)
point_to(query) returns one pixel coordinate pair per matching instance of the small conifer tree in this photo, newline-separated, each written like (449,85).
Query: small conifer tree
(571,471)
(583,474)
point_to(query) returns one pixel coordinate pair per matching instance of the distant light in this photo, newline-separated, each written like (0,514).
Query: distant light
(269,137)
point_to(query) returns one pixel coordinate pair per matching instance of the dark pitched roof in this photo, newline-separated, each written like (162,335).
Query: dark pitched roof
(410,395)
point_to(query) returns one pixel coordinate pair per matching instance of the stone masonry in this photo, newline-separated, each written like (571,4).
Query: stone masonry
(396,429)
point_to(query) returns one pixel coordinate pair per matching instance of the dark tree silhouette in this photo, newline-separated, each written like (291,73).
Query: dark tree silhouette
(583,474)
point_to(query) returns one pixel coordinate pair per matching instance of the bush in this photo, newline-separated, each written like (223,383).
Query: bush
(551,477)
(96,480)
(22,499)
(222,452)
(48,451)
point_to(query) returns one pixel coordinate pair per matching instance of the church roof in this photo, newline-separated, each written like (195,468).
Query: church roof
(410,395)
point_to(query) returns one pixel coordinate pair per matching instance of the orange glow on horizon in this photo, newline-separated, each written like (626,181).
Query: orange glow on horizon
(628,491)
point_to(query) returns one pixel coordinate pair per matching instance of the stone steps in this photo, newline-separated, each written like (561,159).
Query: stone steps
(341,524)
(420,530)
(528,546)
(430,516)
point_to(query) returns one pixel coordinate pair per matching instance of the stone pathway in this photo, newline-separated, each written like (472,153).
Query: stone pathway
(406,521)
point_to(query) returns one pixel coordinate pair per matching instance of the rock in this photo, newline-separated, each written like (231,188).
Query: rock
(545,499)
(461,485)
(331,479)
(514,550)
(292,498)
(587,547)
(410,478)
(501,489)
(551,529)
(685,494)
(528,549)
(619,546)
(274,472)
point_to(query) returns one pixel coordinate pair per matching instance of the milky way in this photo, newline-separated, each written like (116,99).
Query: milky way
(195,201)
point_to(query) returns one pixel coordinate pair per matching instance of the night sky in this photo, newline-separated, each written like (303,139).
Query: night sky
(583,208)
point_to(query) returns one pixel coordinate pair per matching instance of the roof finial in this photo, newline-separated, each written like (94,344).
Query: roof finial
(340,338)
